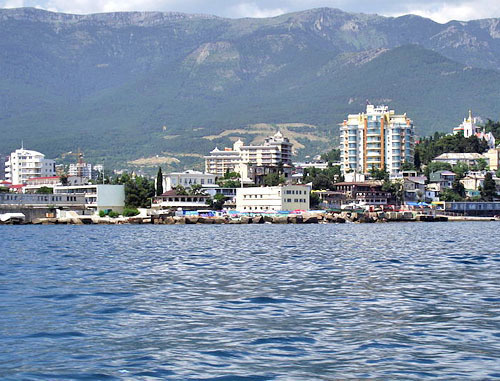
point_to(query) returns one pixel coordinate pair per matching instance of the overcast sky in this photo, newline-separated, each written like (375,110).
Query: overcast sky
(440,11)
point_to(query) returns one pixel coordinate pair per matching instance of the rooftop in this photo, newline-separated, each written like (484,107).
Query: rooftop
(459,156)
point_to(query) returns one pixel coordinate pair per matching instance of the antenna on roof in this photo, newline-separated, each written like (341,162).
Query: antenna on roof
(22,144)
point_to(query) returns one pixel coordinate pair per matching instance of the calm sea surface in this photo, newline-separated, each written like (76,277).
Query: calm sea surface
(267,302)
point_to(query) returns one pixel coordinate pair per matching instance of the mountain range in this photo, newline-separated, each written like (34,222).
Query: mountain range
(150,88)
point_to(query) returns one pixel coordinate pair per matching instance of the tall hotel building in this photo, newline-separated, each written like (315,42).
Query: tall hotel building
(376,139)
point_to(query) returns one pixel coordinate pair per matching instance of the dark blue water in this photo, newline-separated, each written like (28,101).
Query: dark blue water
(268,302)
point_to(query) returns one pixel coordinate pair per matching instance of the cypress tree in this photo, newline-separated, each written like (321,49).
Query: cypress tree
(159,182)
(489,190)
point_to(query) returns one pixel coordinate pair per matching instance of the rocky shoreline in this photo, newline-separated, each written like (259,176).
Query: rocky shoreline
(306,218)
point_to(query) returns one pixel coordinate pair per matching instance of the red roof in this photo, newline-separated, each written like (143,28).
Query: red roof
(17,186)
(43,178)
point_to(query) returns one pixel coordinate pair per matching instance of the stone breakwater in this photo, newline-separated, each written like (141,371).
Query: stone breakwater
(306,218)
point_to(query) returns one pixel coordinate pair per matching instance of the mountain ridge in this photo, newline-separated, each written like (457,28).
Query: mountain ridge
(137,85)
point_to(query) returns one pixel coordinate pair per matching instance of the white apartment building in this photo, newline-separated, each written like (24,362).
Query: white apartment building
(23,164)
(80,169)
(273,199)
(98,196)
(187,179)
(275,151)
(376,139)
(219,162)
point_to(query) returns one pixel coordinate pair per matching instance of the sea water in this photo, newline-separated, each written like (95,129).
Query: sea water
(250,302)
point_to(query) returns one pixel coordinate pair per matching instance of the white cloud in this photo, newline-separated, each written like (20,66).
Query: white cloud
(443,12)
(438,10)
(14,4)
(253,10)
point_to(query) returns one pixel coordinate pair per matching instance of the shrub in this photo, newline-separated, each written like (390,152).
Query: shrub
(102,213)
(113,214)
(130,212)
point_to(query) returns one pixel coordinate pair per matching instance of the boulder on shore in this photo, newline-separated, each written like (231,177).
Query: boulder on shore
(257,220)
(280,220)
(310,220)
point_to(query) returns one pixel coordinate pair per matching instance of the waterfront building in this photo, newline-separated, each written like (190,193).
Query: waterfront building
(432,192)
(469,128)
(363,193)
(330,199)
(97,196)
(379,138)
(414,188)
(24,164)
(444,178)
(35,183)
(171,200)
(453,158)
(60,200)
(187,179)
(252,161)
(273,199)
(469,208)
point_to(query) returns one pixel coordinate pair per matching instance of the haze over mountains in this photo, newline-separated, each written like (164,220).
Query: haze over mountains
(125,86)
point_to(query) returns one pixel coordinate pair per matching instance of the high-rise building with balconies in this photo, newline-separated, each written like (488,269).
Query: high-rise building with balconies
(274,153)
(377,139)
(23,164)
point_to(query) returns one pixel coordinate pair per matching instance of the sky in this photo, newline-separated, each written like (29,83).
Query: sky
(440,11)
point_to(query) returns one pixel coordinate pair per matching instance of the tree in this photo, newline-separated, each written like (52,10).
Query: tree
(396,188)
(460,169)
(314,200)
(196,190)
(493,127)
(332,156)
(489,189)
(435,166)
(273,179)
(433,146)
(379,174)
(449,195)
(138,190)
(64,179)
(482,164)
(407,166)
(497,172)
(159,182)
(45,190)
(230,180)
(180,190)
(217,202)
(458,188)
(323,179)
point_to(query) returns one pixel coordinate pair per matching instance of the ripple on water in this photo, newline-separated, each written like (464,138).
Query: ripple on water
(266,302)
